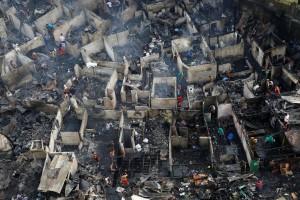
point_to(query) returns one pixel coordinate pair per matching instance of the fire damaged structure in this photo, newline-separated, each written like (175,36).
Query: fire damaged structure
(150,99)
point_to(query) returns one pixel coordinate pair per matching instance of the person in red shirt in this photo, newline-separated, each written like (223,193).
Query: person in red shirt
(95,157)
(124,180)
(277,90)
(61,49)
(179,101)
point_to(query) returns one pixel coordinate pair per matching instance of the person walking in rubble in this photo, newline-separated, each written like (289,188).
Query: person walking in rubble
(62,44)
(286,120)
(62,38)
(277,90)
(95,156)
(61,49)
(220,131)
(50,27)
(124,179)
(179,101)
(34,56)
(230,137)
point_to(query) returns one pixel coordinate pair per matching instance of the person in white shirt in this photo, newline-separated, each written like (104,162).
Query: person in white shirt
(62,38)
(109,4)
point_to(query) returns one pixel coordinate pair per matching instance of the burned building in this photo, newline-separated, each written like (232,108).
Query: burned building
(194,59)
(152,99)
(267,50)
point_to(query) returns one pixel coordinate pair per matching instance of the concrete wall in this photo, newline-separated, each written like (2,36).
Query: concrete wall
(101,25)
(50,17)
(189,23)
(76,22)
(205,28)
(230,51)
(147,59)
(3,34)
(75,138)
(73,49)
(128,13)
(106,43)
(119,66)
(224,68)
(134,77)
(257,53)
(180,45)
(106,114)
(244,138)
(70,138)
(85,16)
(16,22)
(110,102)
(55,130)
(109,50)
(118,39)
(134,114)
(227,38)
(158,6)
(227,46)
(93,47)
(164,103)
(35,43)
(83,125)
(160,103)
(202,73)
(15,78)
(278,51)
(260,55)
(137,95)
(213,3)
(289,77)
(109,99)
(88,4)
(198,73)
(123,91)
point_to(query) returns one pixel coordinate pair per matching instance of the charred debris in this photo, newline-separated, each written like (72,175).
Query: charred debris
(152,99)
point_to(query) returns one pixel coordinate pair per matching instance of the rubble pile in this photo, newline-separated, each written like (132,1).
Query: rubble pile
(152,99)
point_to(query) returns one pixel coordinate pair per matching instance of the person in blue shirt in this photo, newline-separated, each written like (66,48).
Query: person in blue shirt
(230,137)
(220,131)
(50,27)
